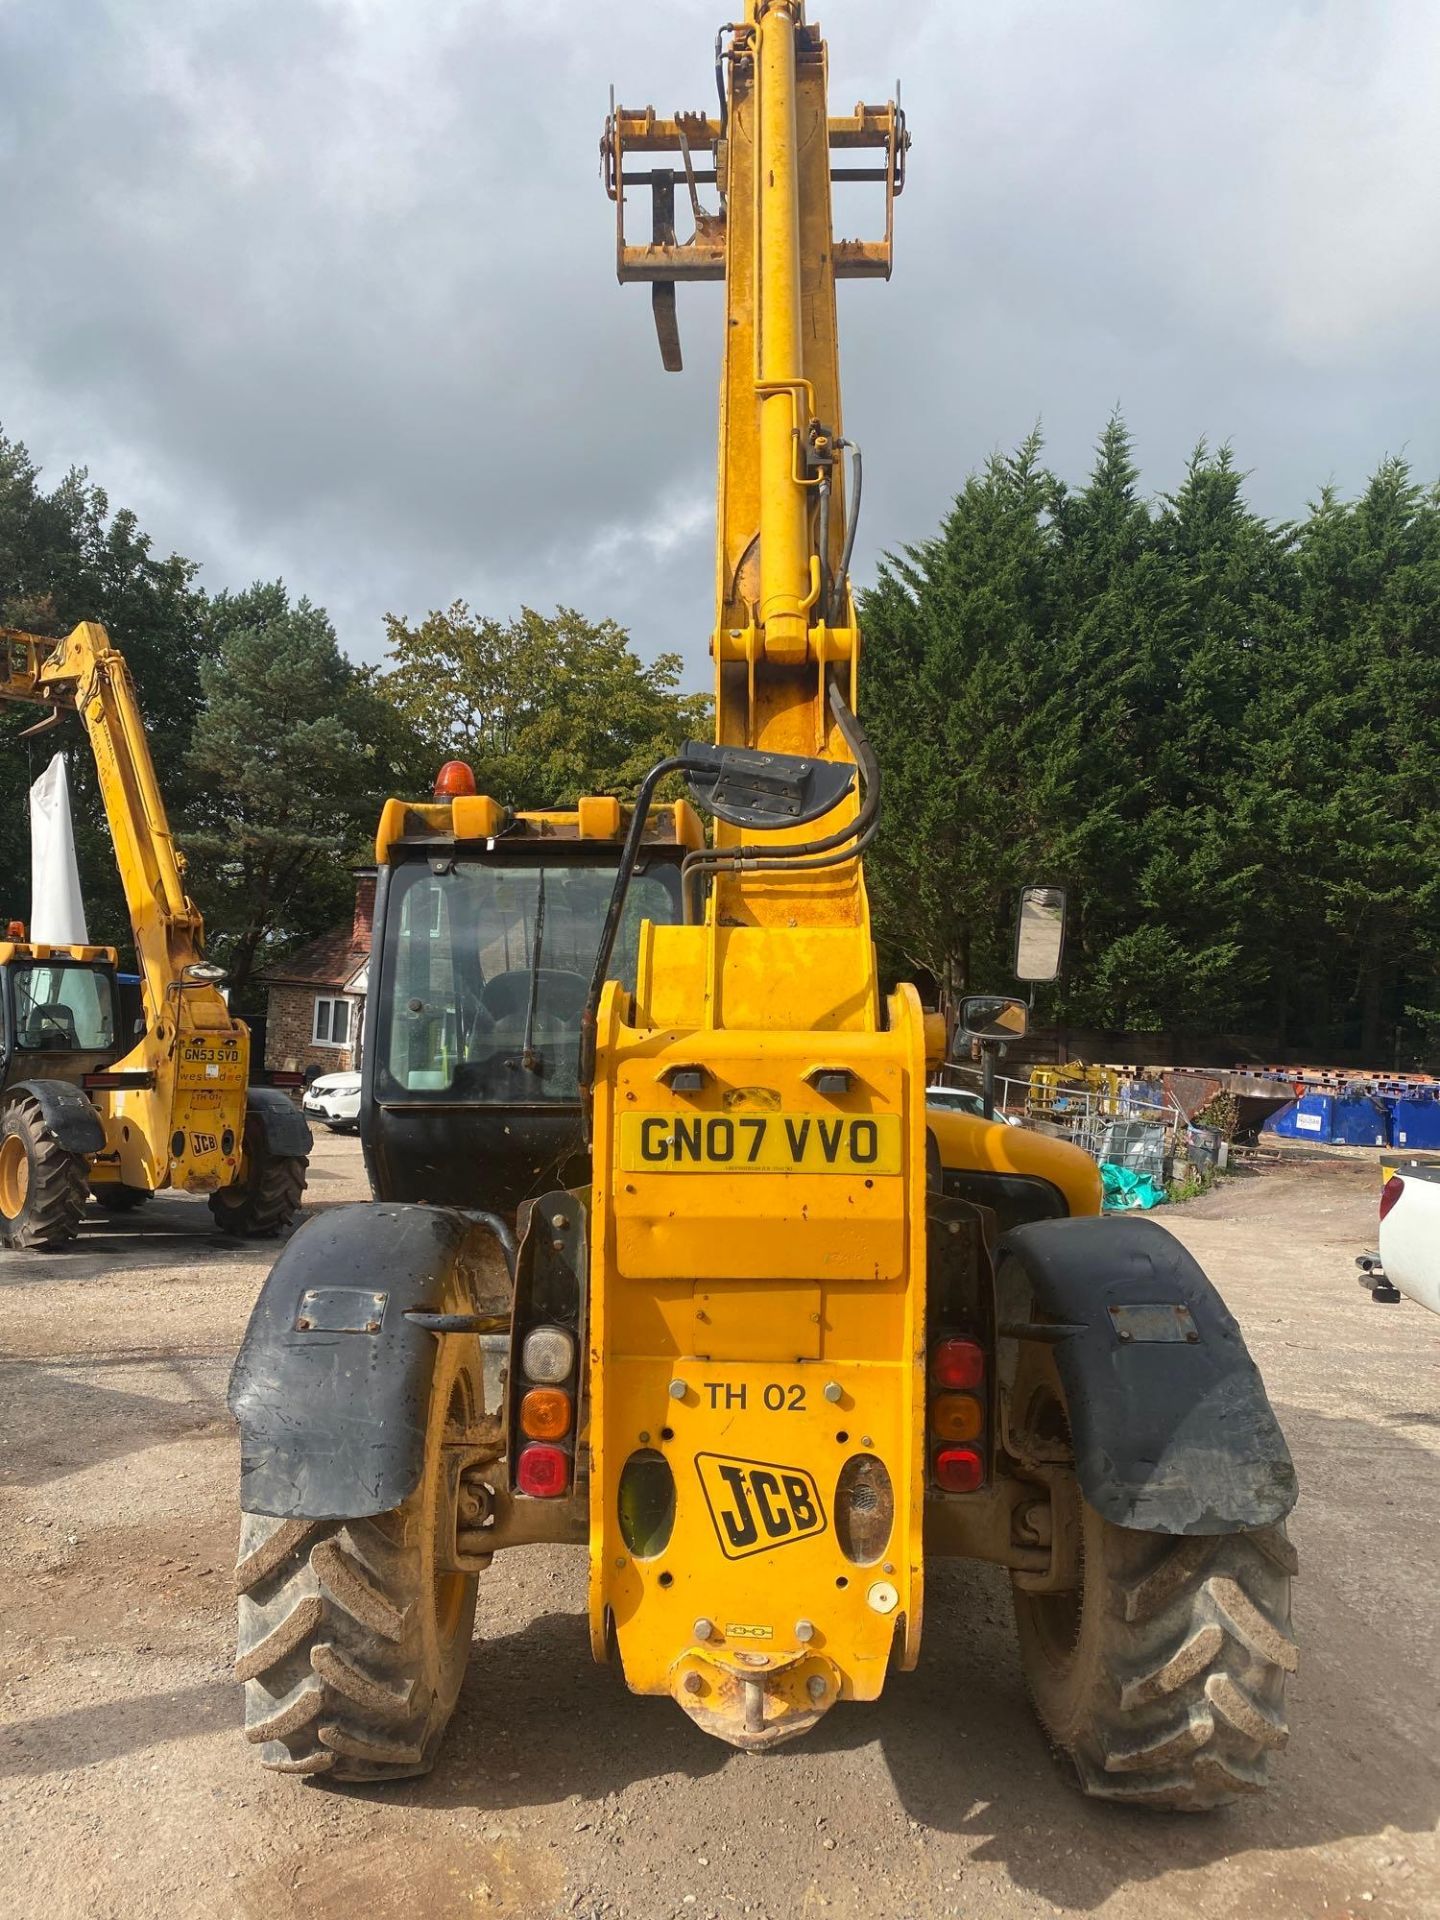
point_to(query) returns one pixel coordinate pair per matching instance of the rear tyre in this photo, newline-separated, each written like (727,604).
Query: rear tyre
(43,1187)
(115,1197)
(269,1194)
(1160,1678)
(353,1639)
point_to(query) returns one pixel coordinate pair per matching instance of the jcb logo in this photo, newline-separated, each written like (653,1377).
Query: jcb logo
(755,1505)
(203,1143)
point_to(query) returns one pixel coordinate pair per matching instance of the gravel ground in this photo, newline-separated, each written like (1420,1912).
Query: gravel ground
(128,1791)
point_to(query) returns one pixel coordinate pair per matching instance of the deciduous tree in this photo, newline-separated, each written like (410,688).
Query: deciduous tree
(545,707)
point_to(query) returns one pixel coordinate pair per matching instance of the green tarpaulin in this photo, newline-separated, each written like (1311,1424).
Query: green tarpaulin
(1127,1192)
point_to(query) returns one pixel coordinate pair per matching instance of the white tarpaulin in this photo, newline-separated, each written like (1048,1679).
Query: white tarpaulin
(57,913)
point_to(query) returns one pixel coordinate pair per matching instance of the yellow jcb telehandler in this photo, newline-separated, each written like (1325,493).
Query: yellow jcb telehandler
(773,1338)
(85,1108)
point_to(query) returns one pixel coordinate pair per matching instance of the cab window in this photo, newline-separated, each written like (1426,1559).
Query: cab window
(63,1009)
(488,968)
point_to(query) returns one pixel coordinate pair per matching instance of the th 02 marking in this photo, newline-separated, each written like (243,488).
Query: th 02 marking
(755,1505)
(776,1398)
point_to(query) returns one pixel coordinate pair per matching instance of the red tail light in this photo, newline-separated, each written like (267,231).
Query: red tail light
(1390,1193)
(958,1363)
(959,1469)
(542,1472)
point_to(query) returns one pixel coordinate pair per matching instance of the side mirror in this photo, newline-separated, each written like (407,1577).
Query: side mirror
(993,1016)
(1040,934)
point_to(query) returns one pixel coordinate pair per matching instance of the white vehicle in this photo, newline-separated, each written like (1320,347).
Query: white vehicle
(334,1099)
(1409,1258)
(964,1100)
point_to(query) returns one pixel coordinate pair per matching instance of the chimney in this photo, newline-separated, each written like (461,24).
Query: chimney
(364,911)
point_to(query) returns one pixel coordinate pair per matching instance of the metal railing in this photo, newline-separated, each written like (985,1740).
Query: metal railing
(1083,1114)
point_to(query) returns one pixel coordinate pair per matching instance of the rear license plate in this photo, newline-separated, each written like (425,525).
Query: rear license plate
(760,1143)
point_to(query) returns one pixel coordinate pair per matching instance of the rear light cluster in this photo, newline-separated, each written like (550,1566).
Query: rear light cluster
(547,1413)
(957,1415)
(1390,1193)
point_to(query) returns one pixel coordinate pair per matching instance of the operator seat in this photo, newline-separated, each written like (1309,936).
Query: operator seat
(51,1027)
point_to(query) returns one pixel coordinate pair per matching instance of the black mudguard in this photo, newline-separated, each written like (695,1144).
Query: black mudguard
(286,1130)
(332,1383)
(66,1111)
(1172,1429)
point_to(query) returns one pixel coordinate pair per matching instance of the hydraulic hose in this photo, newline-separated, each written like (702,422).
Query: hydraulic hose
(629,854)
(827,582)
(720,82)
(852,522)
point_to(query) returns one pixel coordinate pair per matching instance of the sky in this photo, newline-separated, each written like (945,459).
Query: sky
(324,289)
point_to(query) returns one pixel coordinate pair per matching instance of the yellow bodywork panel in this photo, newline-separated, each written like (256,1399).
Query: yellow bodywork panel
(187,1130)
(989,1146)
(757,1318)
(816,978)
(475,816)
(42,950)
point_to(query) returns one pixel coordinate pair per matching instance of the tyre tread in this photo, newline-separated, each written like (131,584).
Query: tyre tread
(59,1188)
(1192,1702)
(333,1676)
(270,1201)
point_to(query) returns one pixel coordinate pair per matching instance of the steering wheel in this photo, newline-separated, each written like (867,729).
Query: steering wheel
(559,994)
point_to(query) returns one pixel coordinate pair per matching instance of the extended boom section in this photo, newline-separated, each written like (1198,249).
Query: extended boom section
(757,1251)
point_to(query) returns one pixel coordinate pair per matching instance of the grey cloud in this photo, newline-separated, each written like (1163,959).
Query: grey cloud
(328,289)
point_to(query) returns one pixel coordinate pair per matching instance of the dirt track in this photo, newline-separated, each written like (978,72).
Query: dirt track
(126,1789)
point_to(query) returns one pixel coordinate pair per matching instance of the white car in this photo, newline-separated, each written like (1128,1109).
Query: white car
(334,1099)
(1409,1257)
(964,1100)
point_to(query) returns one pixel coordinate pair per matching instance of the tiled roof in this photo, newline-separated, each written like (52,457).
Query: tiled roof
(330,961)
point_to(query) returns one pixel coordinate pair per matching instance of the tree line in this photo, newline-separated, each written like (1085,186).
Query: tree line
(1222,734)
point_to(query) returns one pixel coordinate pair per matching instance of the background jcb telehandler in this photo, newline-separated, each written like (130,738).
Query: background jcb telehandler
(84,1108)
(760,1363)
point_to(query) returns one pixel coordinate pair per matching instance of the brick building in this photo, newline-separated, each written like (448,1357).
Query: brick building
(317,996)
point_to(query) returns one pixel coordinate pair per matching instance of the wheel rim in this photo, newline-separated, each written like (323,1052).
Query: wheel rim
(450,1589)
(1056,1617)
(14,1176)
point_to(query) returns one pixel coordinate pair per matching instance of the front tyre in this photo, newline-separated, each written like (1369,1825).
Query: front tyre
(269,1193)
(353,1637)
(1160,1677)
(43,1186)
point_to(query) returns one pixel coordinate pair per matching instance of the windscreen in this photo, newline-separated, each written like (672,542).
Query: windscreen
(486,971)
(63,1009)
